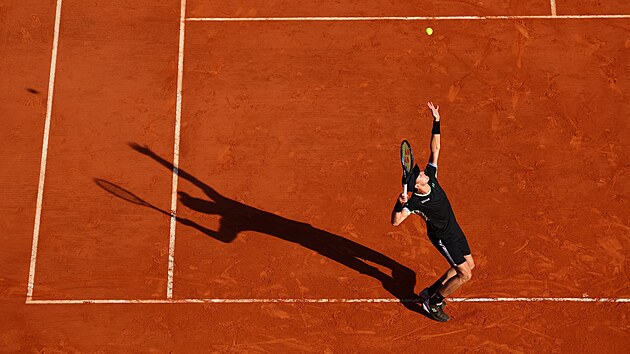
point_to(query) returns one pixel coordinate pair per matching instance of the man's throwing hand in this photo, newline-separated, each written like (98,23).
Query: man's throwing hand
(434,110)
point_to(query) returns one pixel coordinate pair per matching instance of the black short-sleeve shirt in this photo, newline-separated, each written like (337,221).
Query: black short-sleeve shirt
(435,208)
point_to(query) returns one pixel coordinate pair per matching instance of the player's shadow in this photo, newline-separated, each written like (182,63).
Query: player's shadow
(237,217)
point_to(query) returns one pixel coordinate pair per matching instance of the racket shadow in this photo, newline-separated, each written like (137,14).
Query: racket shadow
(237,217)
(126,195)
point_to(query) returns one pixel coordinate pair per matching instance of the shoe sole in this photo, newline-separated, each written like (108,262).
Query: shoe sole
(425,306)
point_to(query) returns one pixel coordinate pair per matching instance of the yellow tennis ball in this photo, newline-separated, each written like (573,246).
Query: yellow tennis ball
(429,31)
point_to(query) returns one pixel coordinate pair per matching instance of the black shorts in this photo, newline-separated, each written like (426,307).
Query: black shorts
(452,246)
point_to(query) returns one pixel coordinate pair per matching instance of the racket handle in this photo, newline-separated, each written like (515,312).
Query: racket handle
(405,189)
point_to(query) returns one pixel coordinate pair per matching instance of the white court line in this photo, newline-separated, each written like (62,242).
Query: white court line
(553,7)
(42,166)
(250,301)
(408,18)
(178,120)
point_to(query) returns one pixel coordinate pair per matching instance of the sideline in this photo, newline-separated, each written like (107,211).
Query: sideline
(42,167)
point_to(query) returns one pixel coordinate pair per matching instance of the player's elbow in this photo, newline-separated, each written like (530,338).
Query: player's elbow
(396,220)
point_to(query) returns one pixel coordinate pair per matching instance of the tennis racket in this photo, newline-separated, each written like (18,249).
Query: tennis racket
(406,158)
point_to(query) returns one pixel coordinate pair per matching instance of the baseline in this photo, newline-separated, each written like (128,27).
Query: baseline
(249,301)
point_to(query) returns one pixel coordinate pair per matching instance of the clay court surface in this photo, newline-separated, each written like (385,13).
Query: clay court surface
(286,135)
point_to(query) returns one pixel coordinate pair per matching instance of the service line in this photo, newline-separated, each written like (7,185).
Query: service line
(407,18)
(250,301)
(42,166)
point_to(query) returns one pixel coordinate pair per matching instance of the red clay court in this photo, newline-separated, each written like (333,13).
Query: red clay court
(194,176)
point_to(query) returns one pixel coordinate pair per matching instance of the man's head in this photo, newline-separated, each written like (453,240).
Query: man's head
(416,179)
(421,180)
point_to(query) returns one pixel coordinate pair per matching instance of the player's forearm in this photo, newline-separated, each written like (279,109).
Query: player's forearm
(435,136)
(396,218)
(397,214)
(399,217)
(435,142)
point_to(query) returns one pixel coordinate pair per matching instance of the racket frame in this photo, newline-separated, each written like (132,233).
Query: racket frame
(406,172)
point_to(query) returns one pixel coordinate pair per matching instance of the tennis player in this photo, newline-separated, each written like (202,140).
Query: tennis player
(429,200)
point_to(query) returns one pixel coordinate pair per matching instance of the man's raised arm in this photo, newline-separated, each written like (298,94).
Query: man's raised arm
(435,134)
